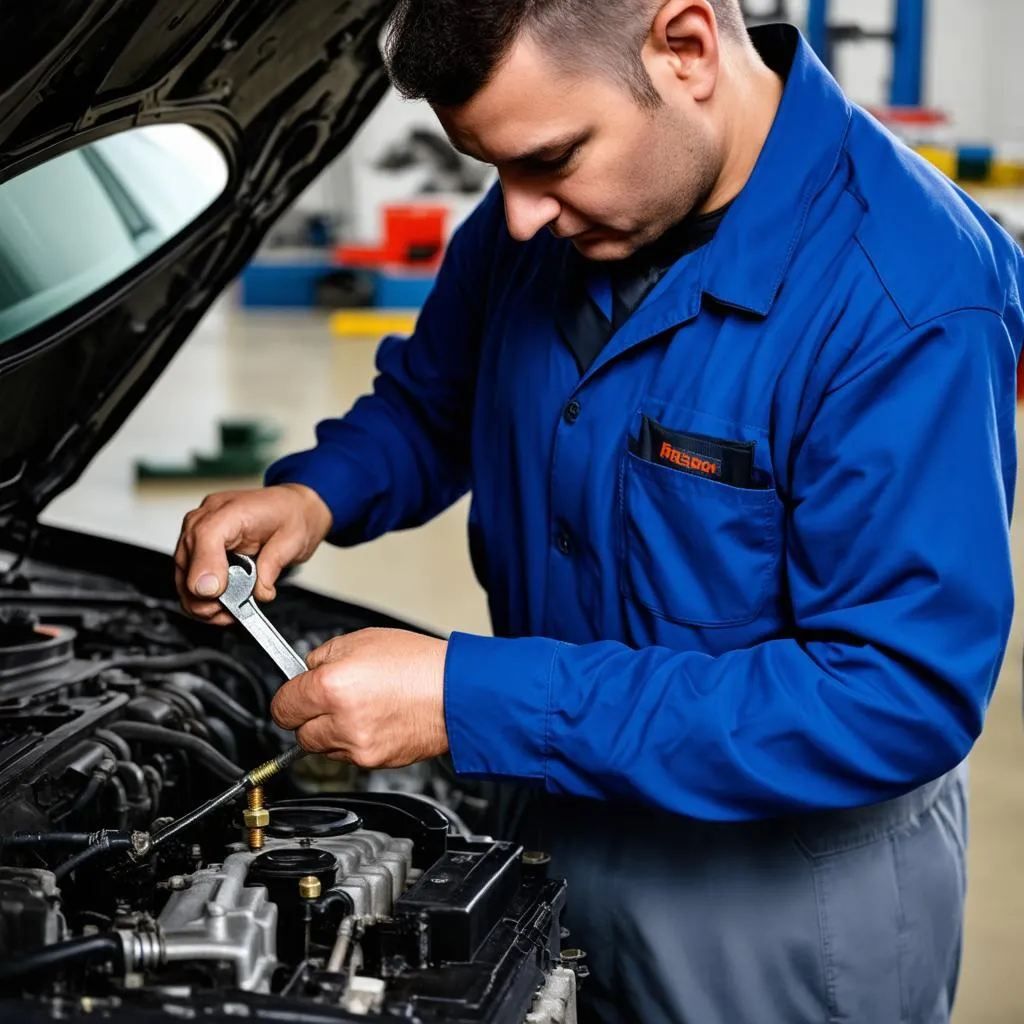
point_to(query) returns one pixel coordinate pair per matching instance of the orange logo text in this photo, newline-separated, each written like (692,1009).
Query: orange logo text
(688,461)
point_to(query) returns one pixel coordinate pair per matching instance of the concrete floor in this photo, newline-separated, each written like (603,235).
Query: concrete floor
(289,370)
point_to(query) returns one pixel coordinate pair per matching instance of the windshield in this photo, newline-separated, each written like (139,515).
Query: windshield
(82,220)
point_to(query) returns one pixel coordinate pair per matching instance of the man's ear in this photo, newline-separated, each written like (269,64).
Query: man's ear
(684,45)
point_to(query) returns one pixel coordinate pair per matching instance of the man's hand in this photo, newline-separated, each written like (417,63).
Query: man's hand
(375,698)
(280,525)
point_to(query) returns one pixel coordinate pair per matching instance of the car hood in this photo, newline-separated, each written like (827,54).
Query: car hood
(280,85)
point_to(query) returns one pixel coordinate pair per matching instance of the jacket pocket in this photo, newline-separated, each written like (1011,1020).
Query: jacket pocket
(695,551)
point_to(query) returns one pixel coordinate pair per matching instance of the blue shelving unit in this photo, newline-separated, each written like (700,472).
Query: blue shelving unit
(907,38)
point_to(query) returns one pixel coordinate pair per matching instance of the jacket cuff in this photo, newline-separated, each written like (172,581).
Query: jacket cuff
(497,696)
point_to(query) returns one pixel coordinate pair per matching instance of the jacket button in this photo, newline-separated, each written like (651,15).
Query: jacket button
(564,542)
(572,412)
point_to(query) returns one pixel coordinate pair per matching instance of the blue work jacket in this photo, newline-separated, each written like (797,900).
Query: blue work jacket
(824,630)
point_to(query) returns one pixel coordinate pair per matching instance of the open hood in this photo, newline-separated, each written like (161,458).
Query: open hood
(279,85)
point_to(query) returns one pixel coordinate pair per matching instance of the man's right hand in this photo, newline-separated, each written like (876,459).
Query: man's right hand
(279,526)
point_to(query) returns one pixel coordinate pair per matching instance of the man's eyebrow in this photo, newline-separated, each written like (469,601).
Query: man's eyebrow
(548,151)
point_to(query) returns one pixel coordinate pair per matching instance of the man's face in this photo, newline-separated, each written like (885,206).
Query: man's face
(578,155)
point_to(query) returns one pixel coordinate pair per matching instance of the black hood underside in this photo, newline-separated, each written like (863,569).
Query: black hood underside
(280,85)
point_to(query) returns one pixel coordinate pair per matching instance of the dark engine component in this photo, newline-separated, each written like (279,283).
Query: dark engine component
(360,904)
(29,910)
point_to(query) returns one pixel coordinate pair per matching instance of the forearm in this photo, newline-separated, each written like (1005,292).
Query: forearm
(776,729)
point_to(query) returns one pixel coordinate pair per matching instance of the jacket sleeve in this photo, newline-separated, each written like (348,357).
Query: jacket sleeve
(401,455)
(898,565)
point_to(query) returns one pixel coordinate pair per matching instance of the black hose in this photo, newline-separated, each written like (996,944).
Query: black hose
(134,780)
(190,659)
(121,802)
(156,786)
(208,755)
(101,774)
(94,949)
(46,839)
(109,842)
(229,708)
(118,746)
(220,731)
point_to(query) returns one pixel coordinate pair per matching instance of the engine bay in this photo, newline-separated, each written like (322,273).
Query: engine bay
(332,894)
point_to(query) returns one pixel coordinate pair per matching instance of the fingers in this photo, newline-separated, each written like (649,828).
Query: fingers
(278,552)
(318,736)
(333,650)
(302,699)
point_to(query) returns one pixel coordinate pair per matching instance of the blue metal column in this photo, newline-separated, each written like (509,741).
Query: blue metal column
(908,54)
(817,29)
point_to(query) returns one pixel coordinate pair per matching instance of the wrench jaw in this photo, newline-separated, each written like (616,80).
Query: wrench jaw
(239,601)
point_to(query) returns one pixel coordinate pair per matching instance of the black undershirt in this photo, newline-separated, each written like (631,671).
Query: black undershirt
(583,323)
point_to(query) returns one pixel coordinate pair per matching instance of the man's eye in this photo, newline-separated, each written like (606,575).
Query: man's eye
(554,166)
(564,160)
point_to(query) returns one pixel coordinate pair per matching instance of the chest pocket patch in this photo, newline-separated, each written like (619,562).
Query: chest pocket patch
(697,550)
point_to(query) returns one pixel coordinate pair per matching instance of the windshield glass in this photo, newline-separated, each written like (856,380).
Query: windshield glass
(82,220)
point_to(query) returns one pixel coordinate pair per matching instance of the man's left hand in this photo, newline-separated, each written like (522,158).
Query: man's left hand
(375,698)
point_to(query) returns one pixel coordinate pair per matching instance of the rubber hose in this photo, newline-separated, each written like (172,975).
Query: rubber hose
(121,802)
(202,656)
(208,755)
(119,747)
(156,786)
(94,949)
(134,780)
(229,708)
(46,839)
(110,842)
(100,777)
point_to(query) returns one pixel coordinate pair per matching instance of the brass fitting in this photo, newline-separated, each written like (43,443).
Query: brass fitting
(256,817)
(309,888)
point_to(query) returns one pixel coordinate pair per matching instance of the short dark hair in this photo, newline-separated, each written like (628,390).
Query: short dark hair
(446,51)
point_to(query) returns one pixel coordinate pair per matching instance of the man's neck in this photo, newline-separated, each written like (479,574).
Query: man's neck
(754,94)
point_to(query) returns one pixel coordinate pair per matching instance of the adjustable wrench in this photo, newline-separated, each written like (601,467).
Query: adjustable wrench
(238,600)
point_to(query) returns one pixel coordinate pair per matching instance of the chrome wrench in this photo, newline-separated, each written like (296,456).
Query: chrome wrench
(238,600)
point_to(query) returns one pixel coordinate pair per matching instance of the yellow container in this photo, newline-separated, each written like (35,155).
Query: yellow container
(944,159)
(372,323)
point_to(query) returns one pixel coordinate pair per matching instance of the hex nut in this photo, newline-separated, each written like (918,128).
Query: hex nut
(256,819)
(309,887)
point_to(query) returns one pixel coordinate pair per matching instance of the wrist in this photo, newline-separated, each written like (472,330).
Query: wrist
(316,513)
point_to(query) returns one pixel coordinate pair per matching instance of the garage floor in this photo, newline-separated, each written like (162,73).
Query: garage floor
(291,371)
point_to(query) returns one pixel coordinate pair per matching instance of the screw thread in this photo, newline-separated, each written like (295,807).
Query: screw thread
(255,798)
(255,839)
(265,771)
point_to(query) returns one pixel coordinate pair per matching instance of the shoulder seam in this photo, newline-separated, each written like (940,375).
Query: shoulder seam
(908,323)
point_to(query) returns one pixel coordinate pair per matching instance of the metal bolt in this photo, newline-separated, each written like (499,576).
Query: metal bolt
(256,818)
(535,858)
(309,888)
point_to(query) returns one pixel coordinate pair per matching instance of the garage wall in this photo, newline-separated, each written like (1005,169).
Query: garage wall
(973,67)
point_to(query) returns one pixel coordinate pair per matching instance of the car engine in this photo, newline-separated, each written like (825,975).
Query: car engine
(333,895)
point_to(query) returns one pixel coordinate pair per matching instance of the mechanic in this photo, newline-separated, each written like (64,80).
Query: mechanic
(739,428)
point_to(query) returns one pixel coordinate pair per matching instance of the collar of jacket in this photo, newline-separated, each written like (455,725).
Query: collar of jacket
(748,259)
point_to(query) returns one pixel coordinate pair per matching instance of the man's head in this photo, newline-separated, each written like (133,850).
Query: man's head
(608,120)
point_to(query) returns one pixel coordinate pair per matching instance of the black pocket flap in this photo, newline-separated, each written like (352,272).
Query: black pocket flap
(729,462)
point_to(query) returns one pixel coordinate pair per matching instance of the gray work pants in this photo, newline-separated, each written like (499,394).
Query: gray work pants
(843,918)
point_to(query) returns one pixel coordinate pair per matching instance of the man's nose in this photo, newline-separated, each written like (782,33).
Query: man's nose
(528,210)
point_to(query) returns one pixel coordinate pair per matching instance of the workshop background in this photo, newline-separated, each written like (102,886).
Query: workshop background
(294,342)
